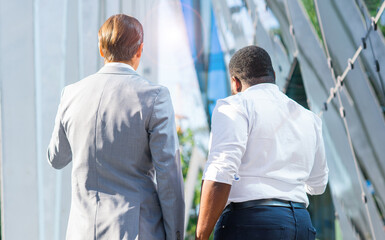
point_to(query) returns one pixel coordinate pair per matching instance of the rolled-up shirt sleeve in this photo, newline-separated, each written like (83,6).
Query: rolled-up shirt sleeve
(228,140)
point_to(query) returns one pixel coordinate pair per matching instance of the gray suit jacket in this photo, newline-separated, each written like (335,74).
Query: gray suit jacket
(119,131)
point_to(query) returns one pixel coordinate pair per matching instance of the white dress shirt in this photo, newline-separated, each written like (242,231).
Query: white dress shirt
(266,146)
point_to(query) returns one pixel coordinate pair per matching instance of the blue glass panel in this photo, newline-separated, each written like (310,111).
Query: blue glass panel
(217,84)
(188,13)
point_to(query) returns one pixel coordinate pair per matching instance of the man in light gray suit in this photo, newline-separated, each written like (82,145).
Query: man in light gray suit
(119,131)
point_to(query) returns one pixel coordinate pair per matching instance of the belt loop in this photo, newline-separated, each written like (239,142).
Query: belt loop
(228,208)
(295,219)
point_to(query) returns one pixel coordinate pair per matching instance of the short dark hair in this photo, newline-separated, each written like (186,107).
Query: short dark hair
(252,65)
(120,37)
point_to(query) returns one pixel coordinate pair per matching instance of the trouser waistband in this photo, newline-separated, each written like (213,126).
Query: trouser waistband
(265,202)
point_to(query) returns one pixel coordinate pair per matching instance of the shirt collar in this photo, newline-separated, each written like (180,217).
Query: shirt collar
(119,64)
(263,86)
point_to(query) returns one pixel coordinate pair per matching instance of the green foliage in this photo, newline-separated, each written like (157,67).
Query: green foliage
(192,223)
(187,144)
(311,12)
(373,6)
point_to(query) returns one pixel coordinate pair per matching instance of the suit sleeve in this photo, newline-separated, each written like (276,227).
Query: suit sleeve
(318,178)
(164,146)
(59,152)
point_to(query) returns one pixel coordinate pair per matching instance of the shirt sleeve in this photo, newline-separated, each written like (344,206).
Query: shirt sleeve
(228,140)
(318,178)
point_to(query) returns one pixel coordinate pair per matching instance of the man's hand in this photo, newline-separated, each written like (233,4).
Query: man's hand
(214,196)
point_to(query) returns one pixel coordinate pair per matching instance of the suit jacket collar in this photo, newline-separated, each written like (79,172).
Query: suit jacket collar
(117,70)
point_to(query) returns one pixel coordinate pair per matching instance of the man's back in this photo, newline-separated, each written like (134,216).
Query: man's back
(281,147)
(266,153)
(120,129)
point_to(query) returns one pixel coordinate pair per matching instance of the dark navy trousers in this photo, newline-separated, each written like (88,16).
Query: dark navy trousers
(264,222)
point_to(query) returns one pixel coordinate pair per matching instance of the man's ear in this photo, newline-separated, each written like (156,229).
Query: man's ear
(100,50)
(238,84)
(140,50)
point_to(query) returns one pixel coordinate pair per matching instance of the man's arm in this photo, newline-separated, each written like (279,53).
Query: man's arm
(59,152)
(164,147)
(213,200)
(229,134)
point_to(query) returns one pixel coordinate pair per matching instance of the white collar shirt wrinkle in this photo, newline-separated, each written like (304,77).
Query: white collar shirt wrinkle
(120,64)
(266,146)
